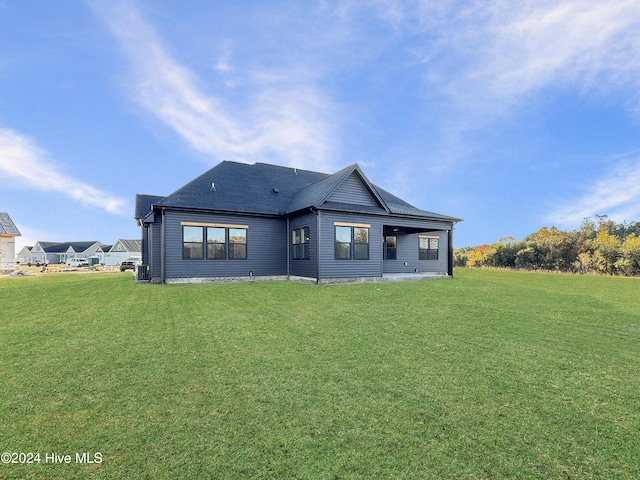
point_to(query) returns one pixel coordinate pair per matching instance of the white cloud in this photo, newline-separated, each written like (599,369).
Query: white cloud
(486,56)
(577,42)
(616,195)
(284,122)
(22,161)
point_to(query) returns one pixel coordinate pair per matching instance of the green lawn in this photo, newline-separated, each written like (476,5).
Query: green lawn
(490,375)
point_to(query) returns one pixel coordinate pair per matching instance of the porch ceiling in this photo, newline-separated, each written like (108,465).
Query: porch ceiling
(391,230)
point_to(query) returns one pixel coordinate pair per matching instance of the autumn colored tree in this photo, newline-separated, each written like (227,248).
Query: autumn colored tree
(598,246)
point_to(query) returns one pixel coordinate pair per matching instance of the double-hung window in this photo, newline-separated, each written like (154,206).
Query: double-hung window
(300,240)
(193,242)
(428,249)
(214,241)
(352,241)
(237,243)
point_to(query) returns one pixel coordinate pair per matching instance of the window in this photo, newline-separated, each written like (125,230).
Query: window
(352,243)
(216,243)
(428,248)
(390,248)
(343,243)
(223,242)
(193,241)
(237,243)
(301,243)
(361,243)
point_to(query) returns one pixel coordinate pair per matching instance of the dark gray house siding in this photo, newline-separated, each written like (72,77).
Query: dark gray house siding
(307,268)
(352,191)
(155,242)
(330,267)
(407,255)
(266,248)
(270,202)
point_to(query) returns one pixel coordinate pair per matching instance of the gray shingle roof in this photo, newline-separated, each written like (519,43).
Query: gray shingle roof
(238,187)
(7,227)
(143,204)
(271,190)
(132,245)
(61,247)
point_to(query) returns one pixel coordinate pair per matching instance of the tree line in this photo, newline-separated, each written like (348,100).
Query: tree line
(599,246)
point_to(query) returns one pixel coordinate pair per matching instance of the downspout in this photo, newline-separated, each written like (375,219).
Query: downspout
(288,251)
(319,235)
(162,248)
(450,259)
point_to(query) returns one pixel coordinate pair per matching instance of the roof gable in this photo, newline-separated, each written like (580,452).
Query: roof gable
(274,190)
(127,246)
(349,186)
(7,227)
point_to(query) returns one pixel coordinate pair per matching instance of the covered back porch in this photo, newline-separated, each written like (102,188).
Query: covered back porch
(413,250)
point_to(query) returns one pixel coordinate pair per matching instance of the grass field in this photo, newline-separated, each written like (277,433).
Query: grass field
(490,375)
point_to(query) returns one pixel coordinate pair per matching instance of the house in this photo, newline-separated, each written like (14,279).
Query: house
(24,255)
(8,232)
(102,252)
(122,250)
(60,252)
(238,221)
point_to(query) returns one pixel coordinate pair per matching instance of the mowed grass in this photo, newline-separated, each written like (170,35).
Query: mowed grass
(493,374)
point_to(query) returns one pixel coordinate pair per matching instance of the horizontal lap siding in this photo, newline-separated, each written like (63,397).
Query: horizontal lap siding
(155,260)
(305,268)
(332,268)
(408,252)
(352,191)
(266,247)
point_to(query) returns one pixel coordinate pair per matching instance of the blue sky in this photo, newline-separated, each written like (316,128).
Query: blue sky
(510,115)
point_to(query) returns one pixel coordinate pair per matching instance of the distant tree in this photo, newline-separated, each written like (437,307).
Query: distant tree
(610,249)
(478,256)
(599,246)
(629,263)
(503,253)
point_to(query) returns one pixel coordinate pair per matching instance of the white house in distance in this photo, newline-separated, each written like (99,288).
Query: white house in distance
(122,250)
(60,252)
(24,255)
(8,232)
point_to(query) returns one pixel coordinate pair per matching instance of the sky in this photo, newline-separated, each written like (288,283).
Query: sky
(509,115)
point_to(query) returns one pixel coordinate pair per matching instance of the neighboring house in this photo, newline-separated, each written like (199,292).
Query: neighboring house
(238,221)
(122,250)
(60,252)
(24,255)
(102,252)
(8,233)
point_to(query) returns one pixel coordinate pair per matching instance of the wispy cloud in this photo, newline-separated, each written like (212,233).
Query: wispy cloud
(23,163)
(570,42)
(617,195)
(285,122)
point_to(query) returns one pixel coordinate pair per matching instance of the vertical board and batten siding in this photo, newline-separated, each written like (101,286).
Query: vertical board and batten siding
(407,251)
(266,247)
(307,267)
(332,268)
(352,190)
